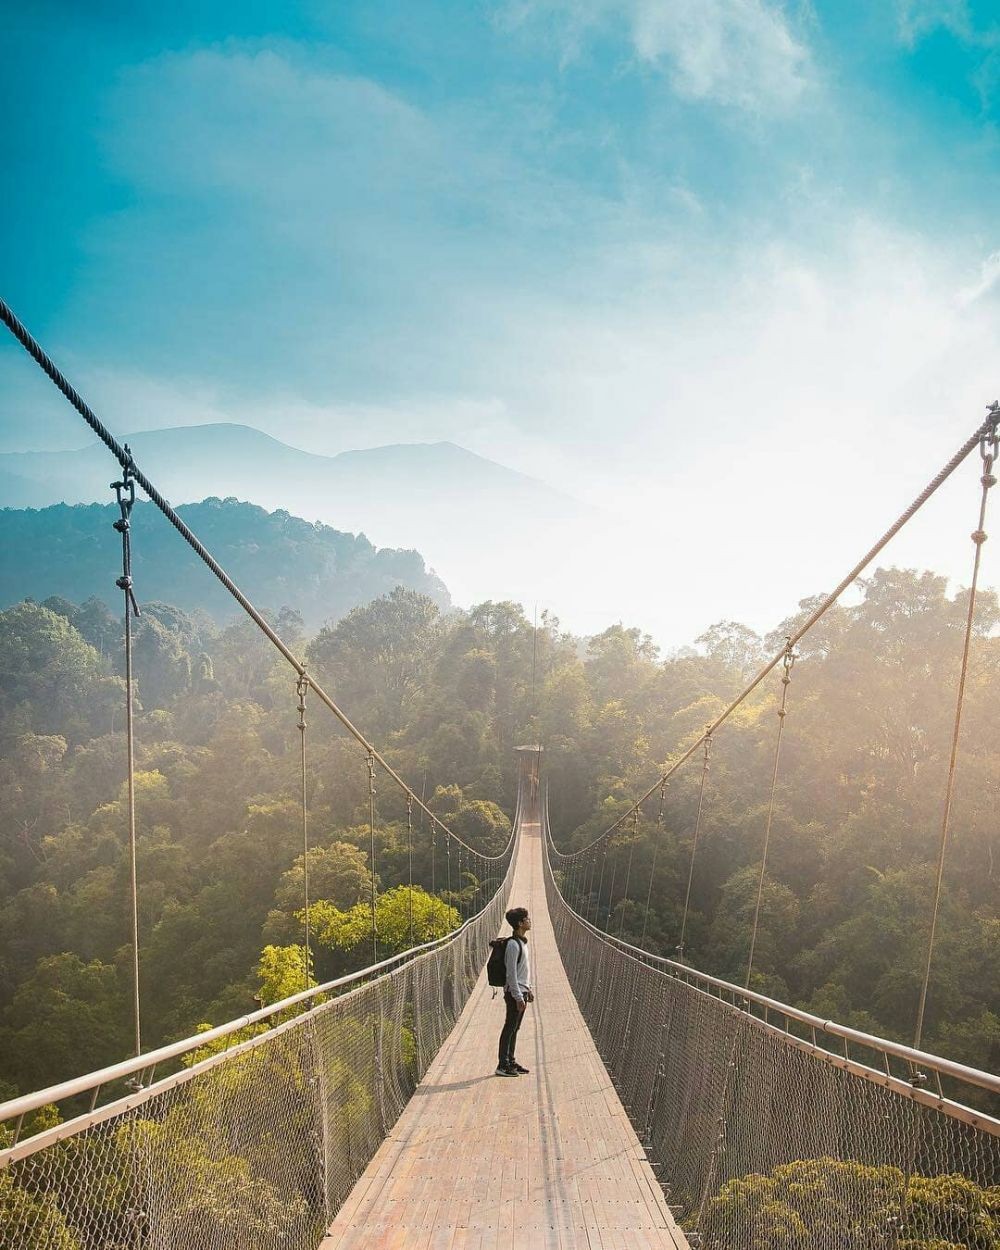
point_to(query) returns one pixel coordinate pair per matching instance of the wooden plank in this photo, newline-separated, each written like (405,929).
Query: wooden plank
(480,1162)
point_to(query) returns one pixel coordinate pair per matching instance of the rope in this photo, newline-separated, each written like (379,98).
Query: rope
(124,458)
(590,882)
(409,859)
(628,871)
(600,886)
(786,677)
(125,496)
(984,431)
(652,867)
(301,687)
(611,892)
(694,844)
(989,447)
(371,852)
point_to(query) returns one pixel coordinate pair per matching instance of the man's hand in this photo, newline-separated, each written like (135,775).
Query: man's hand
(529,996)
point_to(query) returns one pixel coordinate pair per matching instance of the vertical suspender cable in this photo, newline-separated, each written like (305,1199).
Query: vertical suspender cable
(694,842)
(371,850)
(628,871)
(988,447)
(600,885)
(652,866)
(301,687)
(788,660)
(409,860)
(125,495)
(611,892)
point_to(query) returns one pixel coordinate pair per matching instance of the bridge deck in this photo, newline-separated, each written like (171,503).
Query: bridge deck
(481,1162)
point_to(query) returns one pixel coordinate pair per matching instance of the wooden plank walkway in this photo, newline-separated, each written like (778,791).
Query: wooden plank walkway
(482,1162)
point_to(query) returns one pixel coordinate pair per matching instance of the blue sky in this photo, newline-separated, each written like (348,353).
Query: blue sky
(686,257)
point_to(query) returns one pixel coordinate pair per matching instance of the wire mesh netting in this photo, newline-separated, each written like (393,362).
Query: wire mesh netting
(761,1137)
(257,1146)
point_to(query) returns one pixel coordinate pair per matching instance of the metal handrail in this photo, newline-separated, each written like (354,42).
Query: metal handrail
(916,1058)
(17,1108)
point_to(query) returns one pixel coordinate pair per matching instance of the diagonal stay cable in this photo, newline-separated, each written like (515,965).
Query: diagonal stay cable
(124,458)
(984,431)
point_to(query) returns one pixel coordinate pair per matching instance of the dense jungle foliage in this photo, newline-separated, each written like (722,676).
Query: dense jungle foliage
(274,557)
(448,697)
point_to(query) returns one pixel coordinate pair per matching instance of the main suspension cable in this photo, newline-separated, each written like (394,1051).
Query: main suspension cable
(986,430)
(124,458)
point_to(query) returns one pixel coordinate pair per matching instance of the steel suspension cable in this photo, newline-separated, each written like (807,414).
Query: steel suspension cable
(301,686)
(984,431)
(786,677)
(694,843)
(125,496)
(989,448)
(409,860)
(628,871)
(656,851)
(611,892)
(124,458)
(371,852)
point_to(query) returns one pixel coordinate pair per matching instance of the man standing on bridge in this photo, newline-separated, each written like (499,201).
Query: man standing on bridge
(517,990)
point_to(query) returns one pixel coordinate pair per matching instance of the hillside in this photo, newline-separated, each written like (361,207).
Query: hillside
(355,489)
(489,531)
(277,559)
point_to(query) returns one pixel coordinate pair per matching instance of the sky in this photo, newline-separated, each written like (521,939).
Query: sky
(728,270)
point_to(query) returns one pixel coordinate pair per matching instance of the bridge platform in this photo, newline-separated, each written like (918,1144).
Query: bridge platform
(548,1161)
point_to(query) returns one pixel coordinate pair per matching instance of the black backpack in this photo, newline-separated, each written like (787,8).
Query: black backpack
(496,965)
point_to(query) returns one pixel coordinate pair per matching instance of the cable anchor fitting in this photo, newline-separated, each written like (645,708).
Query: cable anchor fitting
(301,686)
(989,451)
(125,497)
(371,774)
(787,664)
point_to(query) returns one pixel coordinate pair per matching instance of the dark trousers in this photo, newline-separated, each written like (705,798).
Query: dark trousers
(508,1035)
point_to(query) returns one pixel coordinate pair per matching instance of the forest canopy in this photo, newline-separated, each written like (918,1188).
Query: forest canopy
(448,696)
(71,550)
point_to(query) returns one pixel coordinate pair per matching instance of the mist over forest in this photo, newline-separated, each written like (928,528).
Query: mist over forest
(447,695)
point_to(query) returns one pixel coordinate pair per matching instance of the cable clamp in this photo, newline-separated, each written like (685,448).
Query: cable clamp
(125,496)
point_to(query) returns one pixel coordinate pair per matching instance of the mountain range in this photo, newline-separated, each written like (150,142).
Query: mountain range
(485,529)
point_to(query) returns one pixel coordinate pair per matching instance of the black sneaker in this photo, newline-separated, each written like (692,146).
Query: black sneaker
(519,1070)
(501,1071)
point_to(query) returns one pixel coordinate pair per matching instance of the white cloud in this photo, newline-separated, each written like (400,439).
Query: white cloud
(736,52)
(989,279)
(739,53)
(917,18)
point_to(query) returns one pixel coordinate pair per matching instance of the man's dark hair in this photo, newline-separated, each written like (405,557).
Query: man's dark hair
(516,916)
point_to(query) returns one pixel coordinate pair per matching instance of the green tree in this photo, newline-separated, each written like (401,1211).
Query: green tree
(347,930)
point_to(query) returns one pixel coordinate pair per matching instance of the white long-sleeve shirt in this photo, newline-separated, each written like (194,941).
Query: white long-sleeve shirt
(518,966)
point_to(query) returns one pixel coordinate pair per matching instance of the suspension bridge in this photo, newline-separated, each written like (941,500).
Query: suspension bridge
(664,1107)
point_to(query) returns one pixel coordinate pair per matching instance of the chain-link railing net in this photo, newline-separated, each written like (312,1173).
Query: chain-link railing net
(760,1143)
(261,1149)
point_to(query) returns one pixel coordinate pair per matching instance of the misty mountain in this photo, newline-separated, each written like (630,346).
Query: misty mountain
(276,559)
(189,463)
(485,528)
